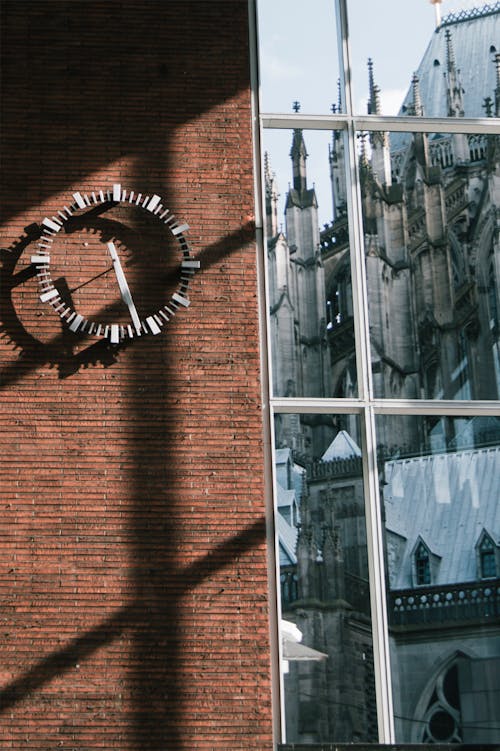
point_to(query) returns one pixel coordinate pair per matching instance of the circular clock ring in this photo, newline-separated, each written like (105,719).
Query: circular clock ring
(139,325)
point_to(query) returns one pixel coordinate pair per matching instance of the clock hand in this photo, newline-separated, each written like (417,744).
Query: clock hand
(124,289)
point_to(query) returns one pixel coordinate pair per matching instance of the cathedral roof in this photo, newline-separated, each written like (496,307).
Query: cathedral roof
(285,497)
(287,541)
(342,447)
(283,455)
(301,198)
(475,37)
(447,500)
(289,474)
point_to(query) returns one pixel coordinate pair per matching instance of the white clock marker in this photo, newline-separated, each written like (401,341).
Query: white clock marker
(115,333)
(182,228)
(79,200)
(180,299)
(50,295)
(155,200)
(51,224)
(76,322)
(155,329)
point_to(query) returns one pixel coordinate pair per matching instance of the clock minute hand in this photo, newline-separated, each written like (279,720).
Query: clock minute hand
(124,289)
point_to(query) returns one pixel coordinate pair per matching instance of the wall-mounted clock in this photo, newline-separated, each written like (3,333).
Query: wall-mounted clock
(114,264)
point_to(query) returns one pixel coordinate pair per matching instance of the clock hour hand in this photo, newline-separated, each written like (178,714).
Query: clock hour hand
(124,289)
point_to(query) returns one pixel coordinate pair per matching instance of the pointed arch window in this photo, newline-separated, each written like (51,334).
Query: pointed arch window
(487,558)
(442,722)
(422,565)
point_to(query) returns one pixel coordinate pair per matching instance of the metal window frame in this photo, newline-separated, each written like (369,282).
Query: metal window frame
(366,406)
(404,123)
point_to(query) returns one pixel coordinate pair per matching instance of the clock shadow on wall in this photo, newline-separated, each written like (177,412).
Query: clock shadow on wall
(65,350)
(77,272)
(71,350)
(137,72)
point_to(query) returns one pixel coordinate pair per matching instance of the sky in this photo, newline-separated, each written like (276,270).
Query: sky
(298,62)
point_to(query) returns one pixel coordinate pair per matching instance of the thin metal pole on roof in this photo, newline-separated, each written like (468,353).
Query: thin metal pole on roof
(437,9)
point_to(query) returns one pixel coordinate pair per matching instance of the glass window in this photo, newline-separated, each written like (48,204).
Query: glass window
(309,274)
(326,637)
(432,299)
(443,722)
(383,273)
(436,497)
(298,56)
(422,565)
(453,61)
(487,558)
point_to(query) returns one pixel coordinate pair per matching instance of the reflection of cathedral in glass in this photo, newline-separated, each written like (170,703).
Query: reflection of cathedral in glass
(431,220)
(430,204)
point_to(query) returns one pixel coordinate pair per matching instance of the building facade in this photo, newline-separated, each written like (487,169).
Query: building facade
(133,598)
(429,205)
(150,598)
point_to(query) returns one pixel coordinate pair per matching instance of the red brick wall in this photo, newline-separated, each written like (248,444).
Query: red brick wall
(133,585)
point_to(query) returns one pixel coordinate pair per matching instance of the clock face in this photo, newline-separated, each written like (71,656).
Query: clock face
(114,264)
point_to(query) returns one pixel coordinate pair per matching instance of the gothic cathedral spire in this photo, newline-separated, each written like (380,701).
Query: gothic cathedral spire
(381,160)
(298,154)
(454,90)
(272,197)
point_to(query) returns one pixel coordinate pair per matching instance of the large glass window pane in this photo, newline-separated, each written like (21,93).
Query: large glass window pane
(310,290)
(454,63)
(440,487)
(325,606)
(432,264)
(298,56)
(429,206)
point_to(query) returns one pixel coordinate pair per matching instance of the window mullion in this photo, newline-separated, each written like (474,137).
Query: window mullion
(372,506)
(374,534)
(374,529)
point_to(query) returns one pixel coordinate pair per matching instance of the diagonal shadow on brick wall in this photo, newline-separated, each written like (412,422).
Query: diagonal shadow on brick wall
(109,83)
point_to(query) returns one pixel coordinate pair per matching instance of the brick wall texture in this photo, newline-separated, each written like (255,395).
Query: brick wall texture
(133,579)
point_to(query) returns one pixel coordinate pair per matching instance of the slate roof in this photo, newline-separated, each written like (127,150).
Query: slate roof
(285,497)
(301,198)
(287,536)
(475,38)
(342,447)
(447,500)
(283,457)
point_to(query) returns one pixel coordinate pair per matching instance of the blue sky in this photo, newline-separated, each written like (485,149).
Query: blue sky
(298,61)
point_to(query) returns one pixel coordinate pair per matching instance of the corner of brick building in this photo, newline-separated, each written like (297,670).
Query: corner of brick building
(133,575)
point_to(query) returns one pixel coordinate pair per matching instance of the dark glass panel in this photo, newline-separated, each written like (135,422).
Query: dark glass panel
(310,289)
(440,498)
(432,264)
(325,605)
